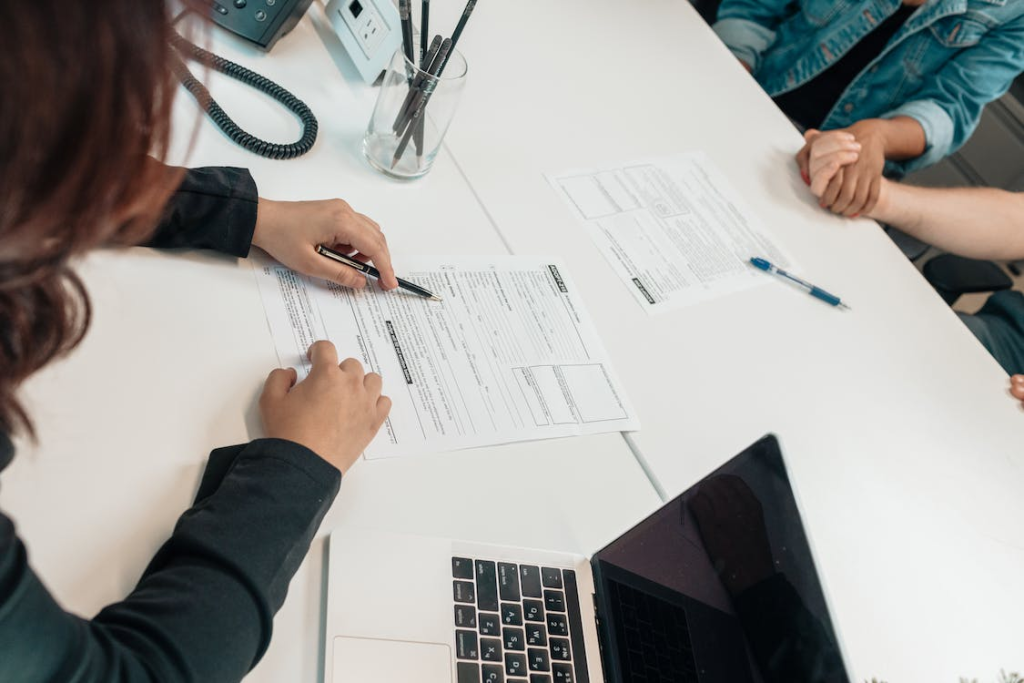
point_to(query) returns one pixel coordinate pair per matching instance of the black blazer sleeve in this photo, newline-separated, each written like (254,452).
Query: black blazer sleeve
(204,607)
(214,208)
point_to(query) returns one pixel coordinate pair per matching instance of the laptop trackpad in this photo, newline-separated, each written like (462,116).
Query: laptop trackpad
(370,659)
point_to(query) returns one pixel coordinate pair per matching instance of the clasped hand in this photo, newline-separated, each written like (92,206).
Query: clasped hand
(291,232)
(844,168)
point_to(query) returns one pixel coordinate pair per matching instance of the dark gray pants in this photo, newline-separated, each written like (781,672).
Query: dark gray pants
(999,326)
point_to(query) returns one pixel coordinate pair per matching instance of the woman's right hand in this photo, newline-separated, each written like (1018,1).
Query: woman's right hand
(335,412)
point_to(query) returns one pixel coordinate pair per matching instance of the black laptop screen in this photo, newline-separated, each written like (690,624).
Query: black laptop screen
(718,586)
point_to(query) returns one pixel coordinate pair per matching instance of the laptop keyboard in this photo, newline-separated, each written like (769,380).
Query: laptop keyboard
(516,623)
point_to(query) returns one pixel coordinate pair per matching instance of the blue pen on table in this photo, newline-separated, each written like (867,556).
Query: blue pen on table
(816,292)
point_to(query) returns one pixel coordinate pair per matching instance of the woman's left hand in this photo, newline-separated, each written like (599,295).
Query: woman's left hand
(291,232)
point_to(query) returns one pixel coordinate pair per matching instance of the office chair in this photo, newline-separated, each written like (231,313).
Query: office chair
(911,247)
(952,276)
(708,9)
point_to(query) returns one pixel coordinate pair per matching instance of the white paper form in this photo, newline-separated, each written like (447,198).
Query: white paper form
(673,228)
(509,354)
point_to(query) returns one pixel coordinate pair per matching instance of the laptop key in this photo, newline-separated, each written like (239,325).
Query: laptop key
(490,649)
(462,568)
(511,614)
(515,664)
(493,673)
(536,634)
(557,625)
(468,672)
(466,646)
(465,616)
(514,638)
(551,577)
(490,624)
(486,586)
(560,649)
(533,610)
(540,678)
(538,659)
(563,673)
(554,601)
(508,581)
(530,578)
(463,591)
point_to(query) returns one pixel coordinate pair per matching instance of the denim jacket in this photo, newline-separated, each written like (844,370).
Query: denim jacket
(950,59)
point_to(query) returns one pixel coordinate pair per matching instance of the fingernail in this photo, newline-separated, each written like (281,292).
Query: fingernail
(856,215)
(807,178)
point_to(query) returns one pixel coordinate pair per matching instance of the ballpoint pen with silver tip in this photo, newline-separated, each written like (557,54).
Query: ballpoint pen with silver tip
(367,269)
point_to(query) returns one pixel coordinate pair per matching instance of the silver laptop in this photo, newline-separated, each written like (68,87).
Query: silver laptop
(717,586)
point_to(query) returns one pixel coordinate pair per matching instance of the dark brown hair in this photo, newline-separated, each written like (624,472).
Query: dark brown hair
(85,98)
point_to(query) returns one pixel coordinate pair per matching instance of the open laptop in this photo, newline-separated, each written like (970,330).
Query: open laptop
(717,586)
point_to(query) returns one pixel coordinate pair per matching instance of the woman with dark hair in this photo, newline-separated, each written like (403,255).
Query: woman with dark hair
(86,107)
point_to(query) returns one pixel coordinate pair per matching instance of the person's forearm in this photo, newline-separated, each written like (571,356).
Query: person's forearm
(213,208)
(747,27)
(974,222)
(203,610)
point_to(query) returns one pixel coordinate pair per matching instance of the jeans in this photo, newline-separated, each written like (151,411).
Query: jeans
(999,326)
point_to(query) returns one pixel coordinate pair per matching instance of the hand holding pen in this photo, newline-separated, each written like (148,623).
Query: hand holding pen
(366,269)
(292,231)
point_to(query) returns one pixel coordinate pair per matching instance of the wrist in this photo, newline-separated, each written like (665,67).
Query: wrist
(873,132)
(883,207)
(267,211)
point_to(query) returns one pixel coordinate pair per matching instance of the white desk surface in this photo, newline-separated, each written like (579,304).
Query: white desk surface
(904,446)
(177,354)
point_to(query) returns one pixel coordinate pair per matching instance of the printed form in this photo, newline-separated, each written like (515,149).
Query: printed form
(509,354)
(672,228)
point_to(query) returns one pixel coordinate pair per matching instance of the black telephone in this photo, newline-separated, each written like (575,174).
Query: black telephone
(261,22)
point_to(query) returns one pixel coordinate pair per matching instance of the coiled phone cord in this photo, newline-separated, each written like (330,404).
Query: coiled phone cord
(250,142)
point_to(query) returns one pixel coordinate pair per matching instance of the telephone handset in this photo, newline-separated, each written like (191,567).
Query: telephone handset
(261,22)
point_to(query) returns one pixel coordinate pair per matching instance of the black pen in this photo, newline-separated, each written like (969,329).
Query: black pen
(404,14)
(367,269)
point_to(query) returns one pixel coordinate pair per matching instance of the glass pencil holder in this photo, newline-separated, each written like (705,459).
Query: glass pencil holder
(412,115)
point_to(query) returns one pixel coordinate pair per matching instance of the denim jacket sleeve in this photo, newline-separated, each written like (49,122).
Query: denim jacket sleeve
(949,104)
(747,27)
